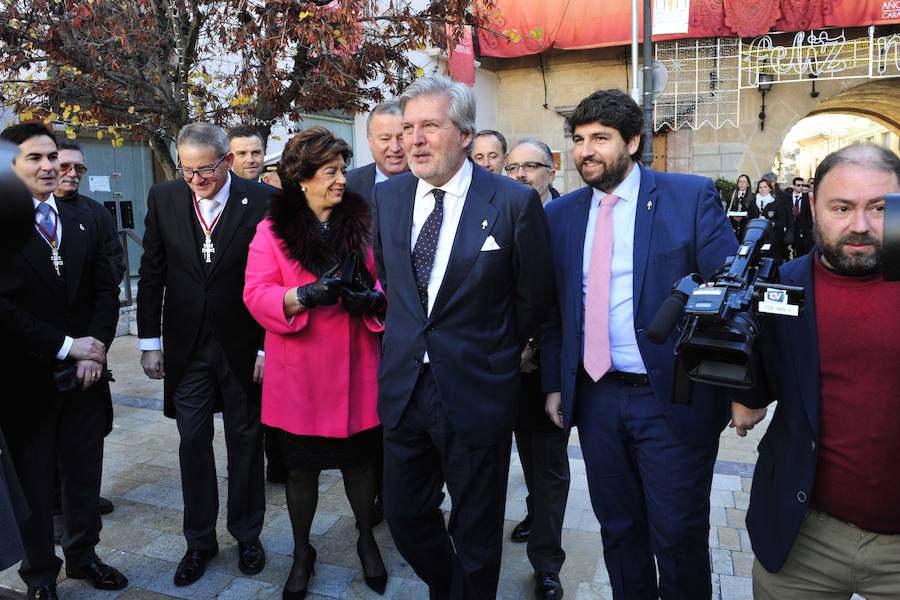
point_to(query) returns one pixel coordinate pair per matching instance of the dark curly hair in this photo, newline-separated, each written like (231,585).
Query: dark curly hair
(306,152)
(611,108)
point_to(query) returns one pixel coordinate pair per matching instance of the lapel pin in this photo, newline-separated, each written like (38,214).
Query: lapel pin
(81,227)
(649,204)
(484,224)
(244,201)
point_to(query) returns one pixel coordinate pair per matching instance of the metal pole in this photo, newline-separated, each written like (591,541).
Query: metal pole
(647,157)
(635,65)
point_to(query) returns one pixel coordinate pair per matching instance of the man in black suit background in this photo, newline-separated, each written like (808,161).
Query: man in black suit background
(198,230)
(63,317)
(463,256)
(801,234)
(541,445)
(384,134)
(71,170)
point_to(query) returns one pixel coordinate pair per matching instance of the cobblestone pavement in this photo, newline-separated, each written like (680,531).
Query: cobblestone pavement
(142,537)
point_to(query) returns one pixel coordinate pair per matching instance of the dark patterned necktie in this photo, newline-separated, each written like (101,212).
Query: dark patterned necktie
(426,246)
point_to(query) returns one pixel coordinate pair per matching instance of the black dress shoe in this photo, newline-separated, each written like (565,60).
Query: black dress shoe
(101,575)
(522,531)
(301,571)
(192,566)
(548,586)
(251,557)
(44,592)
(106,506)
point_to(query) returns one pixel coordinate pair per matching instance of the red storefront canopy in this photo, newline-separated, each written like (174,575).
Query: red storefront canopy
(523,27)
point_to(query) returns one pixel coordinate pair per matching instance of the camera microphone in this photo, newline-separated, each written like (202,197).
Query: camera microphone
(666,318)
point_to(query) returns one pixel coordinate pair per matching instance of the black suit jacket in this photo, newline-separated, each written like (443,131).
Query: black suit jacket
(489,304)
(111,244)
(788,351)
(16,225)
(361,181)
(172,267)
(778,213)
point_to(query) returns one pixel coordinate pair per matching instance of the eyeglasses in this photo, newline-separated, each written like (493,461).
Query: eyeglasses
(530,167)
(66,167)
(203,172)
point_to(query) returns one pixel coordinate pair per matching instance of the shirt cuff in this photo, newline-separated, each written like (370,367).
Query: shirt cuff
(145,344)
(261,353)
(64,349)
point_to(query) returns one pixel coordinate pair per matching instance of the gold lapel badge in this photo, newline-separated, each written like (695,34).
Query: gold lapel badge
(649,204)
(484,224)
(81,227)
(244,201)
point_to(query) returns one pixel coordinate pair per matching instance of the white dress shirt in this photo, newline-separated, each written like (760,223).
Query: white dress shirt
(221,197)
(454,200)
(626,356)
(63,351)
(379,176)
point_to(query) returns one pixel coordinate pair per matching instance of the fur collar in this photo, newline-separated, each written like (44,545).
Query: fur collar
(349,230)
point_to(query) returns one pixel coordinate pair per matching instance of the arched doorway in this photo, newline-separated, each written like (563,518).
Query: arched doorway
(814,137)
(875,100)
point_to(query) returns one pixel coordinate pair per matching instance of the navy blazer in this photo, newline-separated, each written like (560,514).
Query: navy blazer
(361,181)
(679,229)
(788,349)
(489,304)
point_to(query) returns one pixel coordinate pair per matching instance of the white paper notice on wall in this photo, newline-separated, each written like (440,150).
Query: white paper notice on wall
(99,183)
(671,16)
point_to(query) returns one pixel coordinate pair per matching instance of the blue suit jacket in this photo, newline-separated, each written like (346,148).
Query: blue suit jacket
(361,181)
(788,349)
(679,229)
(489,304)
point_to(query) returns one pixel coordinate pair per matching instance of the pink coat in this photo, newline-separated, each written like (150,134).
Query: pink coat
(321,373)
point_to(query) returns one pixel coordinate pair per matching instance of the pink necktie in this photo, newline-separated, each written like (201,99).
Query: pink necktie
(597,357)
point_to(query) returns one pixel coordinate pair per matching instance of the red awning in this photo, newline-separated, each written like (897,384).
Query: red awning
(523,27)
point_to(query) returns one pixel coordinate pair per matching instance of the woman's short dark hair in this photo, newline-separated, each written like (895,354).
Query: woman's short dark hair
(306,152)
(611,108)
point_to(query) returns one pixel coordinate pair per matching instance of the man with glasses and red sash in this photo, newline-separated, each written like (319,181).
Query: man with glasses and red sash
(198,230)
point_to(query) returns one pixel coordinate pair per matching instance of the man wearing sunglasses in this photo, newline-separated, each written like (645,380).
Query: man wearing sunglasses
(71,170)
(198,231)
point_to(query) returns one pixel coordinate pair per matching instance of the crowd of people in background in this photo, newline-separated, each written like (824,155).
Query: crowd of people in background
(403,320)
(789,210)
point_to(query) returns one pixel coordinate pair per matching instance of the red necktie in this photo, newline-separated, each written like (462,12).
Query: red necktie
(597,354)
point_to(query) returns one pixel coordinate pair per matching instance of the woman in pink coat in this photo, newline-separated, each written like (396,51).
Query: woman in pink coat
(310,283)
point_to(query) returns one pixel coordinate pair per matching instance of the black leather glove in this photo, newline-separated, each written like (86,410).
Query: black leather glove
(363,302)
(323,292)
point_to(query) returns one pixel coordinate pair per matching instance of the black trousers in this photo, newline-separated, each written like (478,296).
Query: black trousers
(545,461)
(62,440)
(460,561)
(207,377)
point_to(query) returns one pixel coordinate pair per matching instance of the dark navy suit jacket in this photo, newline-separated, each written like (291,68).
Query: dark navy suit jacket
(361,181)
(788,349)
(489,304)
(679,229)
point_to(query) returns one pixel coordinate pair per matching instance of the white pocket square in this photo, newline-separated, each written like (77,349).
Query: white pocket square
(489,244)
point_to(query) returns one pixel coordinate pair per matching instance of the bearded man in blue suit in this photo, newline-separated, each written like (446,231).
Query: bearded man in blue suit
(619,244)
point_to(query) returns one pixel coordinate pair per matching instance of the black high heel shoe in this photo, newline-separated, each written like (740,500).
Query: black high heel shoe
(310,567)
(377,583)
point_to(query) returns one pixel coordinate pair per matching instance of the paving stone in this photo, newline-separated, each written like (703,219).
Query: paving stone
(736,588)
(721,560)
(743,563)
(723,498)
(729,538)
(244,588)
(736,518)
(726,482)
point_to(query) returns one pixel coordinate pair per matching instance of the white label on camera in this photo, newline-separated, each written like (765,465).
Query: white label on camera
(775,302)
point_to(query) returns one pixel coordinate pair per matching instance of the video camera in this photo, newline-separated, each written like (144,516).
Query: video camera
(722,316)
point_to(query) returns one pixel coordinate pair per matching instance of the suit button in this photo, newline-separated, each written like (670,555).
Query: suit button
(812,446)
(801,496)
(418,361)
